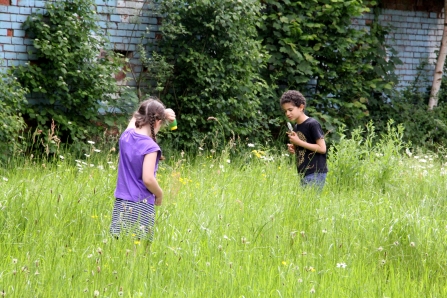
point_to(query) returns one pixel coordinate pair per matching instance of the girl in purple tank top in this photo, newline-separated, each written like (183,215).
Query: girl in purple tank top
(137,189)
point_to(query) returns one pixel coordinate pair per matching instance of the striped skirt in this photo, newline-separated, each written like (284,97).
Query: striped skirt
(133,218)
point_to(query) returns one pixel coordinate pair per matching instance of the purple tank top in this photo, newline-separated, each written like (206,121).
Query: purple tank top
(132,149)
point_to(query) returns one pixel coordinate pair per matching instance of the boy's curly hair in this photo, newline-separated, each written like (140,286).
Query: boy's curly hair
(294,97)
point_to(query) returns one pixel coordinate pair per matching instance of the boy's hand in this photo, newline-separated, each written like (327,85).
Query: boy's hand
(291,148)
(293,138)
(170,115)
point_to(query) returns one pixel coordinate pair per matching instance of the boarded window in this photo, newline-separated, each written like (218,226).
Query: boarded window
(122,74)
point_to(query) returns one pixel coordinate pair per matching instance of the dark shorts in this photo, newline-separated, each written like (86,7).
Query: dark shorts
(314,180)
(133,218)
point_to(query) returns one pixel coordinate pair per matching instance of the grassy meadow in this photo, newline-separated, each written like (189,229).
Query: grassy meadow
(232,225)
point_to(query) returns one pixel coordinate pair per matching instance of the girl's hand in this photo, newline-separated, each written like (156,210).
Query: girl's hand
(170,115)
(158,201)
(291,148)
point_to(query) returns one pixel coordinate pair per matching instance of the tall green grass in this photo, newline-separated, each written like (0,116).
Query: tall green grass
(232,225)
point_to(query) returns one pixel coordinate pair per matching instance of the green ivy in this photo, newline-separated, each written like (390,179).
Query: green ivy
(216,58)
(12,100)
(72,77)
(314,48)
(158,72)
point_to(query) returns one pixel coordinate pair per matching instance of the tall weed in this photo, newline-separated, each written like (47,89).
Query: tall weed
(367,160)
(231,225)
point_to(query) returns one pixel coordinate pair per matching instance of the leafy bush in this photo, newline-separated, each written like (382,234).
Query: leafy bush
(314,48)
(12,100)
(72,78)
(423,128)
(158,72)
(216,60)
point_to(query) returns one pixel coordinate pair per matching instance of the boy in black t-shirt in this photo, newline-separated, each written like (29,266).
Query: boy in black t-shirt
(307,140)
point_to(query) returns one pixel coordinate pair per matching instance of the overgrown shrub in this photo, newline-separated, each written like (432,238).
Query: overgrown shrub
(71,79)
(423,128)
(216,60)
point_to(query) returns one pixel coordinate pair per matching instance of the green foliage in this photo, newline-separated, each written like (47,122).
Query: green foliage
(216,59)
(72,78)
(313,48)
(12,100)
(423,128)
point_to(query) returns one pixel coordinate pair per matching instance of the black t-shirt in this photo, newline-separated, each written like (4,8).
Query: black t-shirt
(308,162)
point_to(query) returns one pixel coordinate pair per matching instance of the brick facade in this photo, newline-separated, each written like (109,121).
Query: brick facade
(414,5)
(416,35)
(125,21)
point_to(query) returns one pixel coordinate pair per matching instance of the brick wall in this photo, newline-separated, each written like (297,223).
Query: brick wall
(125,21)
(416,36)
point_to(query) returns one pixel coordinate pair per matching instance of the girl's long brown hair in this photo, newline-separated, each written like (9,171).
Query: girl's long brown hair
(149,111)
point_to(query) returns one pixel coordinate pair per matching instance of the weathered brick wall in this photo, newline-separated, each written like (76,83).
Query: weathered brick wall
(125,22)
(416,35)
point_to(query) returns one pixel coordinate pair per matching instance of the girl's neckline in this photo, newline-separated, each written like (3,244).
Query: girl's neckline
(139,132)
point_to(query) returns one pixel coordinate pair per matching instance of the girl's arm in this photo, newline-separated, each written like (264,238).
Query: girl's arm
(149,179)
(170,115)
(319,147)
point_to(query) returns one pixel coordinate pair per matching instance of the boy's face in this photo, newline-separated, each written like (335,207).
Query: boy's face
(292,112)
